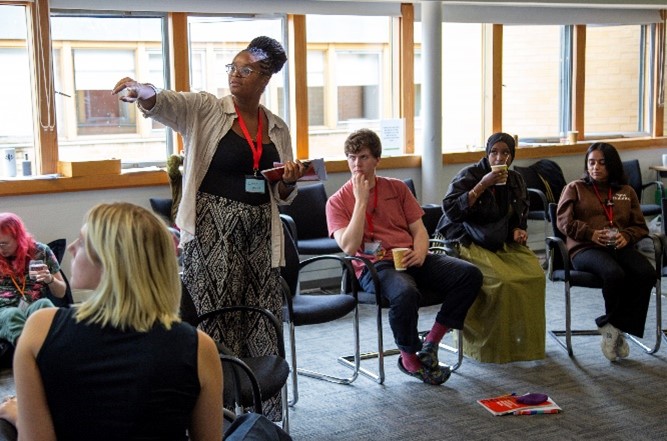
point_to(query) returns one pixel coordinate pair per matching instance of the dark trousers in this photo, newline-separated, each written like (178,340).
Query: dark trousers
(627,281)
(452,282)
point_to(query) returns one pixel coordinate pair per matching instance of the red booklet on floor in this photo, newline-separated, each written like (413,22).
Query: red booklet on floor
(508,405)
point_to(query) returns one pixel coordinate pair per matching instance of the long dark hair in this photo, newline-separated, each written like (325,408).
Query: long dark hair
(612,161)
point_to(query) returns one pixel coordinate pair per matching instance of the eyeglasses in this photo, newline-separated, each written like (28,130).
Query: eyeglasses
(243,72)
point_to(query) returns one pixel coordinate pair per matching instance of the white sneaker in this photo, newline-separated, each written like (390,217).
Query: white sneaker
(609,339)
(622,348)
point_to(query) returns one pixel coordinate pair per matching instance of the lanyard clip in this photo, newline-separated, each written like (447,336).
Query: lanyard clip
(256,172)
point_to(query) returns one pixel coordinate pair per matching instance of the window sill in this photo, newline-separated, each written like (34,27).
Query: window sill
(129,179)
(83,183)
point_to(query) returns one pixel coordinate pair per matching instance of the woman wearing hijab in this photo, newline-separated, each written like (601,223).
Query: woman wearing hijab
(589,210)
(485,212)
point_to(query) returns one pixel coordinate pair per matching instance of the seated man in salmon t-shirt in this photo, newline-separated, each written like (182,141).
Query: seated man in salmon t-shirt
(371,215)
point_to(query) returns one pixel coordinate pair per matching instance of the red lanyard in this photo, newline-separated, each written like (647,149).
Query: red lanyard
(369,217)
(608,207)
(256,148)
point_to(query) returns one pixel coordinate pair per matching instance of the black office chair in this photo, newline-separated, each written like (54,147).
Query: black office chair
(634,175)
(163,207)
(428,299)
(544,181)
(560,270)
(271,371)
(59,246)
(308,222)
(316,308)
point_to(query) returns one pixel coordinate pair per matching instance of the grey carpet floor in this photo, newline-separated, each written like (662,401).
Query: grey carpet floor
(600,400)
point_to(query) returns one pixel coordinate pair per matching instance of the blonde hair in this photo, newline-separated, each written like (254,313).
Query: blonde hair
(139,284)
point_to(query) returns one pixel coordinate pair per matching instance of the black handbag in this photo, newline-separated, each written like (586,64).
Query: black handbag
(491,235)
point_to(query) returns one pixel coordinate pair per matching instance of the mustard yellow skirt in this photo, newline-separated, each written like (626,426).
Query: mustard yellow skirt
(507,321)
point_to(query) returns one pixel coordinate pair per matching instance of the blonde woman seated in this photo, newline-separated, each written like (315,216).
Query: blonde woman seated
(121,366)
(485,211)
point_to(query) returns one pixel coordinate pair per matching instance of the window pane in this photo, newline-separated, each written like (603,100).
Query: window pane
(531,81)
(349,78)
(462,96)
(16,112)
(216,40)
(90,55)
(612,79)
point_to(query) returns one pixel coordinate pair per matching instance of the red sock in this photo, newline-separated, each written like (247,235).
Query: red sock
(436,333)
(410,361)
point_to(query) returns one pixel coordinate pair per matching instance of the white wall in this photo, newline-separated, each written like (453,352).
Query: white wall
(51,216)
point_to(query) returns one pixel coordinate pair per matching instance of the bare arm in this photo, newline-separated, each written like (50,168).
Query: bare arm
(206,424)
(32,405)
(349,238)
(417,255)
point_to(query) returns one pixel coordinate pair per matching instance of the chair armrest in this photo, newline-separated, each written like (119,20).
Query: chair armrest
(556,245)
(374,276)
(291,226)
(658,246)
(346,267)
(273,321)
(658,184)
(543,198)
(237,363)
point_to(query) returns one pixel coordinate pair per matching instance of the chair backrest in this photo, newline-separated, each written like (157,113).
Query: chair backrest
(411,185)
(162,206)
(58,247)
(308,209)
(634,174)
(432,215)
(544,175)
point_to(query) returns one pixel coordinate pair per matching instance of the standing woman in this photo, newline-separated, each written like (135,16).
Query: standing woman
(231,233)
(587,209)
(485,211)
(21,295)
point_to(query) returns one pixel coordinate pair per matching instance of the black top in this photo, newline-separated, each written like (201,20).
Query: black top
(107,384)
(231,163)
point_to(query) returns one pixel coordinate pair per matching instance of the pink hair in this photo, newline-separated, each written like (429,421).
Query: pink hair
(12,225)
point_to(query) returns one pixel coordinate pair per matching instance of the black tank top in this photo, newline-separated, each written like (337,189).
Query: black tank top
(107,384)
(231,163)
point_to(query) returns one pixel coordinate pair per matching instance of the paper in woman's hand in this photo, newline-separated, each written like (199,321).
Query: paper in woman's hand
(315,171)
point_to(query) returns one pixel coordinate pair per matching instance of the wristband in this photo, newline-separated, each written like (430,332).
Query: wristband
(289,184)
(52,279)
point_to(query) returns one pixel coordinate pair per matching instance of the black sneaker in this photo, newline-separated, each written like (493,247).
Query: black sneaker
(429,376)
(429,355)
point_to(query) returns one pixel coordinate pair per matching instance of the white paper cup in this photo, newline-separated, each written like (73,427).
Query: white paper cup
(398,254)
(572,137)
(664,160)
(502,167)
(8,157)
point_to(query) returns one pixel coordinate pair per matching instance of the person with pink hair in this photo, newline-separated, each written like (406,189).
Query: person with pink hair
(21,295)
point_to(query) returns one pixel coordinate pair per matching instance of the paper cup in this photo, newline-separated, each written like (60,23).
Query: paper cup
(8,157)
(664,160)
(398,254)
(502,167)
(572,137)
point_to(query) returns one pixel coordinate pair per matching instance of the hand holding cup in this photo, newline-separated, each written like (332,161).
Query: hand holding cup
(399,254)
(501,172)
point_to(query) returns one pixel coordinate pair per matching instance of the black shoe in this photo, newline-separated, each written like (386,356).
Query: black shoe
(429,376)
(429,355)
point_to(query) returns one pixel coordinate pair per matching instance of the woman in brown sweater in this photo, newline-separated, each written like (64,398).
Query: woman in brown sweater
(601,218)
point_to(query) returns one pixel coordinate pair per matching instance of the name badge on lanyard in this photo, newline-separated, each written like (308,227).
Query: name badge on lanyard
(253,183)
